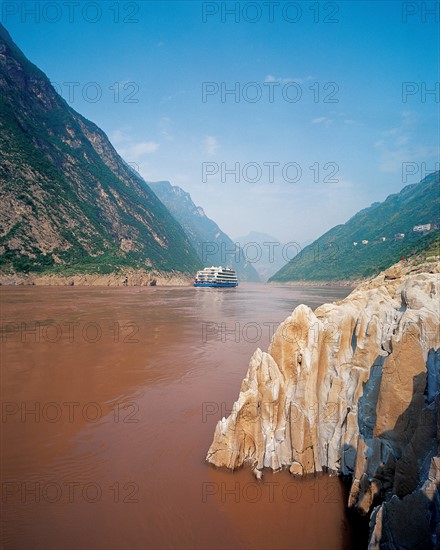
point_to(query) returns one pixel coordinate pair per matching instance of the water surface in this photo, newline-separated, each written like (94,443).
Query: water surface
(110,397)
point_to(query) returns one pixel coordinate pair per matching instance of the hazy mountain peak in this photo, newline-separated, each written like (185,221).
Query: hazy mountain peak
(211,243)
(256,236)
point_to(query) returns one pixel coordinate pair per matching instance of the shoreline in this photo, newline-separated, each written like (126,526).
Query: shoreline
(122,279)
(414,263)
(136,278)
(342,283)
(140,277)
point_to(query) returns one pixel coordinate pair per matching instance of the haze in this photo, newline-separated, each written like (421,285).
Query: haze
(320,109)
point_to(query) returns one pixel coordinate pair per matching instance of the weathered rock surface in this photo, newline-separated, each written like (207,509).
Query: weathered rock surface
(353,388)
(128,277)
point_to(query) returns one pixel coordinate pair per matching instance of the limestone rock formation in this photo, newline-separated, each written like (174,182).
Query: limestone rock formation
(352,388)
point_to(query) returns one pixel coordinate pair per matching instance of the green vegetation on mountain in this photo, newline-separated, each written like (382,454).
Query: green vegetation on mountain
(427,249)
(212,245)
(68,201)
(335,257)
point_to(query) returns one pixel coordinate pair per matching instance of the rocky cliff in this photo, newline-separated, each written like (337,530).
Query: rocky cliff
(353,388)
(69,203)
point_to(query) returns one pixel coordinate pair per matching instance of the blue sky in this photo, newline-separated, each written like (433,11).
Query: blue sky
(341,130)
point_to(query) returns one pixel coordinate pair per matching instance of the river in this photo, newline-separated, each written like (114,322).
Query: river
(110,397)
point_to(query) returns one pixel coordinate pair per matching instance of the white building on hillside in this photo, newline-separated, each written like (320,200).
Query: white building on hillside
(424,227)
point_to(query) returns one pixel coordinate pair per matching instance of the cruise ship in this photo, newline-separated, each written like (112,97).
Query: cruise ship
(219,277)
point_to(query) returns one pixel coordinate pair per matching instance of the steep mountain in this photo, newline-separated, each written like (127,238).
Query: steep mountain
(334,256)
(266,253)
(212,245)
(68,201)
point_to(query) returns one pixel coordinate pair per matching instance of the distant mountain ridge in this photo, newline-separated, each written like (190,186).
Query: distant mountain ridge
(266,253)
(68,201)
(377,232)
(213,246)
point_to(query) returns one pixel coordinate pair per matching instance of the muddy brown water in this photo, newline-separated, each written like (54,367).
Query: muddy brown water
(110,397)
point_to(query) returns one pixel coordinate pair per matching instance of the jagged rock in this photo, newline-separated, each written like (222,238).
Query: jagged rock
(393,272)
(351,388)
(411,522)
